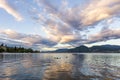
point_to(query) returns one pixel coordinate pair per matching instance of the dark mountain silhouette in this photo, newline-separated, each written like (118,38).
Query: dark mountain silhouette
(102,48)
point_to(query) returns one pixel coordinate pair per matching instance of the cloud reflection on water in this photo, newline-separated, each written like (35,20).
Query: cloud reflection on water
(59,66)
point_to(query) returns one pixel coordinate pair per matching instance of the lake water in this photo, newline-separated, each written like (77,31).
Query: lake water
(60,66)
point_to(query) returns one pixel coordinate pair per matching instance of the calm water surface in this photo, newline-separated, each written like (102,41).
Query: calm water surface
(60,66)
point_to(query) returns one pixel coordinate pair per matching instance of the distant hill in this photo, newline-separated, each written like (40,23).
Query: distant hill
(102,48)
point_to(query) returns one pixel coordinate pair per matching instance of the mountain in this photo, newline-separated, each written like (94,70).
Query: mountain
(105,48)
(79,49)
(102,48)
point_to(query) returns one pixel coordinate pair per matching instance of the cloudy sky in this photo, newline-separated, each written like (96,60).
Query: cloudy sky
(53,24)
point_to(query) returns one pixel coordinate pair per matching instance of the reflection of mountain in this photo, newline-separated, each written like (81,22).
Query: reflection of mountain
(102,48)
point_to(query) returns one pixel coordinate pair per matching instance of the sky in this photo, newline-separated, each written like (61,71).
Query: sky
(57,24)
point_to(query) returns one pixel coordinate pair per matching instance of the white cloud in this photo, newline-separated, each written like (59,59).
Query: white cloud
(98,10)
(4,5)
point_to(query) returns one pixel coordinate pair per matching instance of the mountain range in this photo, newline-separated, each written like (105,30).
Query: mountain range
(93,49)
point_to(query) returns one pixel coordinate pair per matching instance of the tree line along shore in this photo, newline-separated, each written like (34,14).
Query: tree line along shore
(5,48)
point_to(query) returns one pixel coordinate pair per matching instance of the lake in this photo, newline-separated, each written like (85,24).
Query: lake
(59,66)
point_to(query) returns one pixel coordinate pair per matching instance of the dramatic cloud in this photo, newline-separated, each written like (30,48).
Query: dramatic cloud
(25,39)
(60,33)
(10,10)
(65,23)
(98,10)
(81,17)
(104,35)
(75,19)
